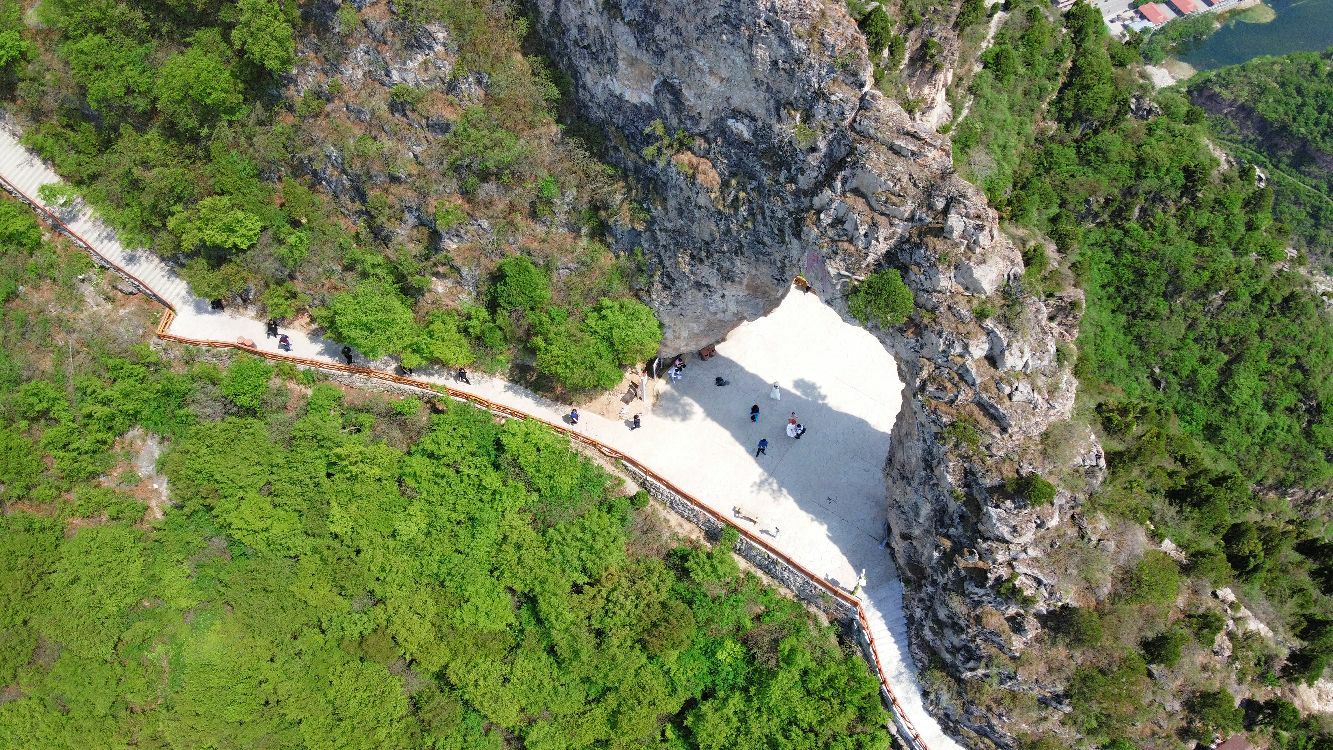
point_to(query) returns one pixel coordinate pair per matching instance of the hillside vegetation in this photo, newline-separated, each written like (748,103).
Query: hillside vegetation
(373,167)
(319,567)
(1277,112)
(1206,365)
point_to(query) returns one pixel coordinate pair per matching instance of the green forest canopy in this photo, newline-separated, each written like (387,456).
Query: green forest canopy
(340,569)
(1277,112)
(172,119)
(1206,361)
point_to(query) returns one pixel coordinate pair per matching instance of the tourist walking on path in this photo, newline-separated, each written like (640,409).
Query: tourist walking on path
(776,393)
(800,430)
(573,416)
(271,328)
(461,376)
(284,343)
(762,450)
(635,424)
(791,429)
(792,418)
(754,413)
(347,354)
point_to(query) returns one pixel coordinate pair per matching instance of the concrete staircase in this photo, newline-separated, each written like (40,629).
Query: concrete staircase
(27,174)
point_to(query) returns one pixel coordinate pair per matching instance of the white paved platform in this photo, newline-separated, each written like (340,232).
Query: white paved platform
(820,499)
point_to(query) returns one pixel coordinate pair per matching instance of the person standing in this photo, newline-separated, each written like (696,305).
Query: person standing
(792,418)
(776,393)
(573,416)
(791,429)
(800,430)
(347,354)
(271,328)
(461,376)
(762,450)
(754,413)
(635,424)
(284,343)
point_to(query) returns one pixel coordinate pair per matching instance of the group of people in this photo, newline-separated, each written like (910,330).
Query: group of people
(677,368)
(573,418)
(794,428)
(271,331)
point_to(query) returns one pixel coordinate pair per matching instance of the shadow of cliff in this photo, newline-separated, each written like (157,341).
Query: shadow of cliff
(833,473)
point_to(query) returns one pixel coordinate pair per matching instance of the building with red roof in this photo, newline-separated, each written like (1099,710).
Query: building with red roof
(1185,7)
(1154,13)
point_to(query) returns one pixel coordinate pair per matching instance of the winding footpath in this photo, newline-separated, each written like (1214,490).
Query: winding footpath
(817,503)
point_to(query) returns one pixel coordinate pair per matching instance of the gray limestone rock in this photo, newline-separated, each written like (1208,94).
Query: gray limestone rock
(870,189)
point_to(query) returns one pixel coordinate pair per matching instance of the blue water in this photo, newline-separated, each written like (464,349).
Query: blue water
(1300,25)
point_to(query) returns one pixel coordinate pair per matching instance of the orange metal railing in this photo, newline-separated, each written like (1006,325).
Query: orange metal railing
(169,314)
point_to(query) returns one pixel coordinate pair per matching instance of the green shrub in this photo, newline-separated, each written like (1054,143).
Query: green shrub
(1033,488)
(408,96)
(1154,580)
(448,215)
(1214,712)
(19,230)
(1080,626)
(520,285)
(881,298)
(1165,648)
(1205,626)
(567,353)
(245,383)
(372,318)
(878,29)
(627,327)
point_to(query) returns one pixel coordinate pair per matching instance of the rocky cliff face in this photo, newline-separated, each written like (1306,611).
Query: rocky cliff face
(753,132)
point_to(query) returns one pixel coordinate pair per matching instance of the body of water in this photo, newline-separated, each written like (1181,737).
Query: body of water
(1300,25)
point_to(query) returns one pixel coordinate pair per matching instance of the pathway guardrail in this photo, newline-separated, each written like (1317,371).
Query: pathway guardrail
(862,624)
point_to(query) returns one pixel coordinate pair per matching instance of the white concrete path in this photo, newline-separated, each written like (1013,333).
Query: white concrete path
(820,499)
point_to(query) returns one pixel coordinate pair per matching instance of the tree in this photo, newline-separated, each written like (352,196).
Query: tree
(215,222)
(882,298)
(1032,487)
(246,382)
(878,28)
(576,360)
(520,285)
(372,318)
(264,35)
(116,73)
(627,327)
(1244,549)
(13,48)
(1165,648)
(440,340)
(19,230)
(1082,626)
(195,90)
(1154,580)
(1214,712)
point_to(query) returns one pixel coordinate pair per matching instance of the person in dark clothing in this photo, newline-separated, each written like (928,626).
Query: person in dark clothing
(215,304)
(634,423)
(284,343)
(762,450)
(407,370)
(754,413)
(271,329)
(461,376)
(347,354)
(800,430)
